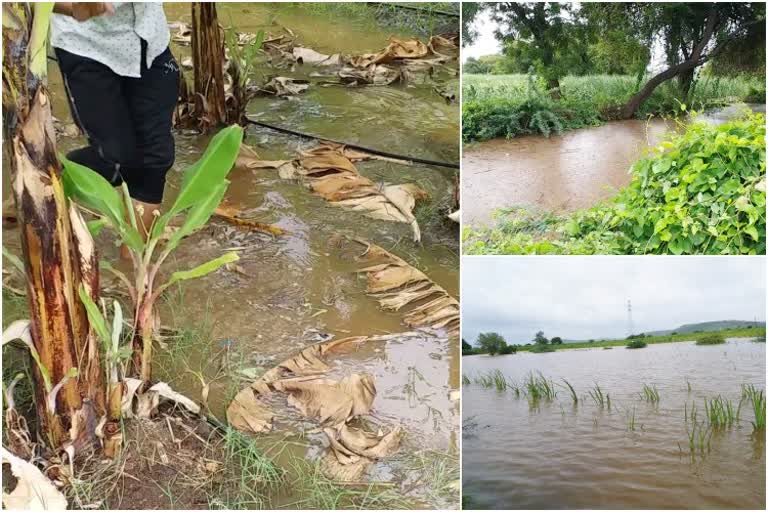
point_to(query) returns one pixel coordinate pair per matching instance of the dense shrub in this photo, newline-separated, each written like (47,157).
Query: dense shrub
(711,339)
(699,192)
(637,344)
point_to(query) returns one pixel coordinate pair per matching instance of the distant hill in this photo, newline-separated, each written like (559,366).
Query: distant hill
(709,326)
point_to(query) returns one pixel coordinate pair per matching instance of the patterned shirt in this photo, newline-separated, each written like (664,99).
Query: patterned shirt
(115,39)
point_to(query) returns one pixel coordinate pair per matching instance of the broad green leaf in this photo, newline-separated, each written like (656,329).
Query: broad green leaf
(95,226)
(91,190)
(752,231)
(205,175)
(204,269)
(198,215)
(95,317)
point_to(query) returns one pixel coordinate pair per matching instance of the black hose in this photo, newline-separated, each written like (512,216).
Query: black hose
(355,146)
(419,9)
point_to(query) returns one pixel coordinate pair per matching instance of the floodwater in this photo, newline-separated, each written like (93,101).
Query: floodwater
(298,289)
(561,173)
(558,455)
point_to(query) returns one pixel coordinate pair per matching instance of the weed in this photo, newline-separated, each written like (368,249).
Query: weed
(699,438)
(465,380)
(494,379)
(631,420)
(439,472)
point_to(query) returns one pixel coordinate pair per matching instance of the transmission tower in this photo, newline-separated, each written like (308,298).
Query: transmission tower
(630,325)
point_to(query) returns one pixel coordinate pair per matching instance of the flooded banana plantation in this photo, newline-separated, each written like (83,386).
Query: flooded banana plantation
(317,365)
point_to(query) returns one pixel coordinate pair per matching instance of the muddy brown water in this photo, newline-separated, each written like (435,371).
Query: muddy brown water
(561,173)
(298,289)
(558,456)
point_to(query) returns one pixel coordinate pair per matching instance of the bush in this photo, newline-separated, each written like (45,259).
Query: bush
(542,348)
(508,349)
(700,192)
(711,339)
(637,344)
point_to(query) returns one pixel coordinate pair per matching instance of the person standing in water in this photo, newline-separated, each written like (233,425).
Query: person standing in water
(122,83)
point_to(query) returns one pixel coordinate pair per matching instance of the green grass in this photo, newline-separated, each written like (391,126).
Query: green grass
(631,421)
(439,471)
(513,105)
(669,338)
(465,380)
(314,490)
(650,394)
(637,344)
(699,438)
(493,379)
(711,339)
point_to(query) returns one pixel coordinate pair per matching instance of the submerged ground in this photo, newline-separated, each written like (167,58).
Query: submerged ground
(629,453)
(290,291)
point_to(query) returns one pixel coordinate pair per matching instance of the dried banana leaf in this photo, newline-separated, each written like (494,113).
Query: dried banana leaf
(396,284)
(331,174)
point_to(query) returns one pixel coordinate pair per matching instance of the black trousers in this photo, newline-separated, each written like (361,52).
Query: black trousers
(127,120)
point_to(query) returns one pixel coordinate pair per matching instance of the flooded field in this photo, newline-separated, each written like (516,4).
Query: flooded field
(629,453)
(561,173)
(290,291)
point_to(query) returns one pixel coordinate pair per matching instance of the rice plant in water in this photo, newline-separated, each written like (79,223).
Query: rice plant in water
(538,387)
(631,420)
(699,439)
(650,394)
(574,397)
(465,381)
(601,398)
(756,398)
(719,412)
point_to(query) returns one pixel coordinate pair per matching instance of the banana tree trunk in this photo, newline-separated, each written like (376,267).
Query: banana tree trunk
(208,62)
(57,249)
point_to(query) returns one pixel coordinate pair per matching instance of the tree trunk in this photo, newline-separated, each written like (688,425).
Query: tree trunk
(208,62)
(697,58)
(57,249)
(553,86)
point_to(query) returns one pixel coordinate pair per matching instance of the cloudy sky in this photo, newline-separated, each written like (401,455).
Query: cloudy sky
(585,298)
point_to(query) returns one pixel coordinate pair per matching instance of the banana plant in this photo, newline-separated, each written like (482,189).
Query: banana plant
(57,251)
(202,189)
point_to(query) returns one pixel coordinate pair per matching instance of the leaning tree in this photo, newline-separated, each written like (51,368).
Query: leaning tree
(58,253)
(692,34)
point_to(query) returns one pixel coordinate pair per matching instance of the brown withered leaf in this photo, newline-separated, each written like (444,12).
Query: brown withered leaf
(396,284)
(353,450)
(328,401)
(397,49)
(285,86)
(331,174)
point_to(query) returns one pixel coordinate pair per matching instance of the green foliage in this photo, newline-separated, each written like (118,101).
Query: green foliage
(491,342)
(466,348)
(637,344)
(557,340)
(699,192)
(720,412)
(502,105)
(539,387)
(711,339)
(756,399)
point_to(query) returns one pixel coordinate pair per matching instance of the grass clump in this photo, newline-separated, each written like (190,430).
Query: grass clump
(637,344)
(711,339)
(756,399)
(631,421)
(720,412)
(698,192)
(539,388)
(494,379)
(650,394)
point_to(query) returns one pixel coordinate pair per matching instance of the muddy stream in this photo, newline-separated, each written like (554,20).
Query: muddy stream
(557,455)
(297,289)
(562,173)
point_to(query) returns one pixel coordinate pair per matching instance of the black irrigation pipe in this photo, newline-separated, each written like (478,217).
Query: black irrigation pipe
(347,144)
(354,146)
(419,9)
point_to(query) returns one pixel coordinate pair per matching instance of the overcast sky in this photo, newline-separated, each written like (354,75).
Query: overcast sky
(586,298)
